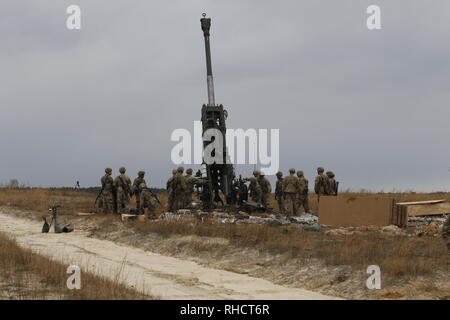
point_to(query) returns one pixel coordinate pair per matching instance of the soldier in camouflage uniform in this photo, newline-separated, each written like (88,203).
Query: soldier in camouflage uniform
(279,194)
(179,188)
(291,188)
(170,193)
(332,184)
(446,232)
(135,188)
(107,191)
(191,181)
(147,201)
(321,184)
(266,189)
(122,184)
(302,196)
(255,188)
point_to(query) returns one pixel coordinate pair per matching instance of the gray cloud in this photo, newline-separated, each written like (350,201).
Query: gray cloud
(372,106)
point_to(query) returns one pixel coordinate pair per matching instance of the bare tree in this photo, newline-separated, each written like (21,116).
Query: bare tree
(13,183)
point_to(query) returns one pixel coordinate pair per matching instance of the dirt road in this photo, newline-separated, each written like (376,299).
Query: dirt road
(151,273)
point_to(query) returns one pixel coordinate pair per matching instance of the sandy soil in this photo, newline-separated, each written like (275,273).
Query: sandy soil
(148,272)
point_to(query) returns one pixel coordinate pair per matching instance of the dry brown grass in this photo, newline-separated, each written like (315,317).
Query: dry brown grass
(39,199)
(396,255)
(32,276)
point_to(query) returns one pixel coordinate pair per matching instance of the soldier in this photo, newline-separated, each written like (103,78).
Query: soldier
(107,191)
(191,181)
(279,194)
(446,232)
(255,188)
(243,192)
(291,188)
(302,198)
(332,184)
(179,188)
(146,201)
(321,183)
(122,184)
(266,189)
(170,193)
(136,183)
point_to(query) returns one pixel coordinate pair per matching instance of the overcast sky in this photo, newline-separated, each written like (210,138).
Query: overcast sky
(373,106)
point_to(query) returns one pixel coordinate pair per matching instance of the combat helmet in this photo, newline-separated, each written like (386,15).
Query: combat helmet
(141,173)
(320,169)
(189,171)
(279,174)
(180,169)
(300,173)
(122,170)
(291,170)
(256,173)
(175,171)
(108,170)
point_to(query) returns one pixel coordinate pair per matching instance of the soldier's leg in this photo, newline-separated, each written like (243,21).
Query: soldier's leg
(306,204)
(151,209)
(446,232)
(294,204)
(170,202)
(99,208)
(176,201)
(289,206)
(126,201)
(188,199)
(119,200)
(138,201)
(105,208)
(108,202)
(265,200)
(258,198)
(280,201)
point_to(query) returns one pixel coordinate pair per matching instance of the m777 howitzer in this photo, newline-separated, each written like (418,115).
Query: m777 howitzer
(219,174)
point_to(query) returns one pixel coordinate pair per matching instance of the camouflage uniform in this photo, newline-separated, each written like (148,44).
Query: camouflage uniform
(446,232)
(332,184)
(255,188)
(302,198)
(146,201)
(107,191)
(170,193)
(122,183)
(190,186)
(321,184)
(266,189)
(291,188)
(135,188)
(179,188)
(279,194)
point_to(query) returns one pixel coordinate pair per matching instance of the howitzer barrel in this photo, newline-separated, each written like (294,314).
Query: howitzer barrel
(206,25)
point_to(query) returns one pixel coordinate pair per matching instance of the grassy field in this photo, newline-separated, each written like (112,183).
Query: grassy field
(27,275)
(72,201)
(398,256)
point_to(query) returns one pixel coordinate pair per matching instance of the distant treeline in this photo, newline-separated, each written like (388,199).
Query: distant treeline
(95,190)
